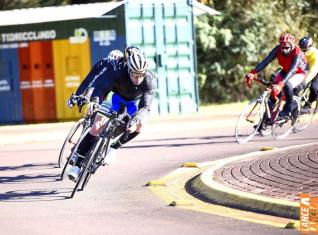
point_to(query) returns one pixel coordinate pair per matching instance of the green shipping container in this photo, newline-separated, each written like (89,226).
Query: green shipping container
(164,29)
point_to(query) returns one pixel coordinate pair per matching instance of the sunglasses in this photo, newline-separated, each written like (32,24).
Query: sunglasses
(136,75)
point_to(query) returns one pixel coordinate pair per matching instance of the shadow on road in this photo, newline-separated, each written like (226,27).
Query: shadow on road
(193,138)
(35,195)
(207,140)
(190,141)
(16,182)
(28,167)
(32,178)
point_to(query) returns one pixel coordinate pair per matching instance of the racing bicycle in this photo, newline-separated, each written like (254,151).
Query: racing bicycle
(116,125)
(260,115)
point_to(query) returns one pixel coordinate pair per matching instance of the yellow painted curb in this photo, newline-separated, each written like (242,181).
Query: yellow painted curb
(181,203)
(174,194)
(292,225)
(267,148)
(156,183)
(191,164)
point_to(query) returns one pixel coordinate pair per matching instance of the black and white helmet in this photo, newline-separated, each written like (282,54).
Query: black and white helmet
(115,55)
(137,62)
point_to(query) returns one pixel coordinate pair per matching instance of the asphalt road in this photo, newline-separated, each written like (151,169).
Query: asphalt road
(34,201)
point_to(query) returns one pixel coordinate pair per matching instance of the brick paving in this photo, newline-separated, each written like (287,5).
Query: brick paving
(280,174)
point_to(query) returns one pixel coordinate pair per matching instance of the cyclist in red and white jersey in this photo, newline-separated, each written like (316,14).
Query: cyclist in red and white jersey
(294,69)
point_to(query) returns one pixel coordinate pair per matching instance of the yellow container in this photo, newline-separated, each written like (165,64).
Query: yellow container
(71,65)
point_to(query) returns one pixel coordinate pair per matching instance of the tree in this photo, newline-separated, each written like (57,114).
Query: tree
(87,1)
(18,4)
(231,44)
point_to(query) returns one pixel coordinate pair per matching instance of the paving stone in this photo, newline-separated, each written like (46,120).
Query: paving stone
(280,174)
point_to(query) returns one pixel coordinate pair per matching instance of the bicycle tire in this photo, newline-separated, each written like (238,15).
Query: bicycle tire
(103,152)
(265,132)
(78,124)
(282,128)
(89,161)
(66,165)
(304,120)
(265,128)
(249,121)
(85,181)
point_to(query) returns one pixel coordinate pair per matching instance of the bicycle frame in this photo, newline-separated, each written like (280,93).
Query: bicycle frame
(263,99)
(259,114)
(271,114)
(107,134)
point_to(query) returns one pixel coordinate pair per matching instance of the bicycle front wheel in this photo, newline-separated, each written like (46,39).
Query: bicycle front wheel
(249,121)
(70,142)
(304,120)
(282,128)
(98,159)
(87,163)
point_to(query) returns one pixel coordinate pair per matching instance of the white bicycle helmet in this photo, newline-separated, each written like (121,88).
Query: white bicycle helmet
(115,55)
(137,62)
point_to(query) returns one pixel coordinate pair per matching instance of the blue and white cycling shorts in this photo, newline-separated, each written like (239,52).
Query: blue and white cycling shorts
(117,101)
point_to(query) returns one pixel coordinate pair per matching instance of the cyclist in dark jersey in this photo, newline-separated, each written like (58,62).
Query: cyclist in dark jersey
(294,69)
(132,84)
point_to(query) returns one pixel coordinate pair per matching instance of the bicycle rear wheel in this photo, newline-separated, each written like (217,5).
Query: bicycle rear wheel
(266,130)
(282,128)
(70,141)
(67,165)
(249,121)
(304,120)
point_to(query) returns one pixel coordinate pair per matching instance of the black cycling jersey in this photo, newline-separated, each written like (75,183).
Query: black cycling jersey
(107,75)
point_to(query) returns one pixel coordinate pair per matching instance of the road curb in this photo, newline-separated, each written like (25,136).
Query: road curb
(175,194)
(207,189)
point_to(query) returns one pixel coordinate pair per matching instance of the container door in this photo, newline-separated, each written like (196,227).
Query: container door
(179,44)
(10,97)
(26,84)
(71,65)
(165,31)
(48,80)
(37,84)
(142,31)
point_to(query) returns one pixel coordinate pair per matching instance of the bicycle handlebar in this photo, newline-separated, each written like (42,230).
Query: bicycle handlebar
(118,117)
(81,100)
(264,82)
(268,84)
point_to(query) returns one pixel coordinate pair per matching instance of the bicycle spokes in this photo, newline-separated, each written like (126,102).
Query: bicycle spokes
(249,121)
(283,126)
